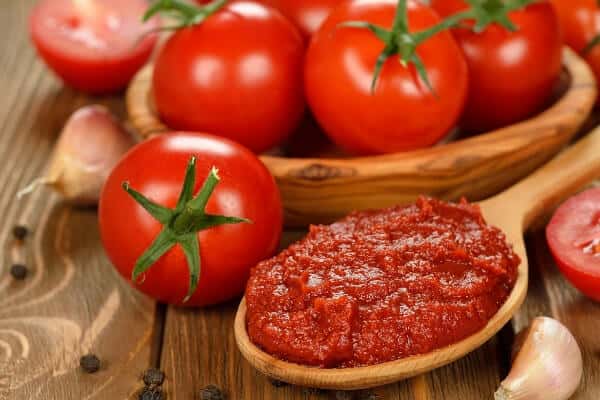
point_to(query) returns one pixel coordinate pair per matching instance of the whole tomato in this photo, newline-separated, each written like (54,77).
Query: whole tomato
(156,236)
(579,23)
(511,74)
(307,15)
(237,73)
(400,112)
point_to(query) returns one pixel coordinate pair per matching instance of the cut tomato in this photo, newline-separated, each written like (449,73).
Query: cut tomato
(574,239)
(94,46)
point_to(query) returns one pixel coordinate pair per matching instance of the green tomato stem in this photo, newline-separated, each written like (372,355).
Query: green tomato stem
(181,224)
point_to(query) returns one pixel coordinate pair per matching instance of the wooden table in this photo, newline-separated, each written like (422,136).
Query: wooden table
(73,303)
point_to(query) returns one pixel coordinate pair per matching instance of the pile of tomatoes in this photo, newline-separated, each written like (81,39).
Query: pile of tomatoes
(253,90)
(251,70)
(378,76)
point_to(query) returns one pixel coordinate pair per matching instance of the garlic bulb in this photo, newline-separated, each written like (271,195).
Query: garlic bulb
(90,145)
(548,365)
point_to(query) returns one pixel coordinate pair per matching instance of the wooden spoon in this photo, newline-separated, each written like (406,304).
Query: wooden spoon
(512,211)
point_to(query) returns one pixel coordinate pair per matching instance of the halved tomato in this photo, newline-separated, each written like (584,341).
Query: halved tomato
(574,239)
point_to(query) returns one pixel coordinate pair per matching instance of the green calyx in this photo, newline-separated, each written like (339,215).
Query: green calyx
(181,224)
(486,12)
(185,14)
(399,41)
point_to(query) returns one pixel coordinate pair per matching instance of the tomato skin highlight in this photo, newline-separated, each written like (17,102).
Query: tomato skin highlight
(574,223)
(402,114)
(238,74)
(579,23)
(156,168)
(512,75)
(93,49)
(307,15)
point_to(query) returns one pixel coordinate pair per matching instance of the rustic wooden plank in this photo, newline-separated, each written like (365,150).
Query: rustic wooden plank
(72,302)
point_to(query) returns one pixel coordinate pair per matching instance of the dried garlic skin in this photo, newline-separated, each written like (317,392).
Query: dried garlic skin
(89,146)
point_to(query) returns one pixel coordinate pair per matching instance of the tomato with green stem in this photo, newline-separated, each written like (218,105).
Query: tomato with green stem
(383,76)
(573,236)
(581,30)
(514,52)
(230,68)
(180,248)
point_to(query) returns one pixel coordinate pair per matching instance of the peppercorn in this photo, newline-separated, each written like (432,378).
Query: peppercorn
(20,232)
(89,363)
(277,383)
(18,271)
(154,376)
(151,393)
(211,392)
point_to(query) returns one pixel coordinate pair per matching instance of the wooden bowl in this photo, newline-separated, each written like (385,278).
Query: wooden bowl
(320,190)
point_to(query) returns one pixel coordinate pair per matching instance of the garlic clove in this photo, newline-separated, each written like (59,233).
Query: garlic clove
(90,145)
(548,366)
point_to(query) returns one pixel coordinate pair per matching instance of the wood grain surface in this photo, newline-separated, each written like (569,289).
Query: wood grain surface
(72,302)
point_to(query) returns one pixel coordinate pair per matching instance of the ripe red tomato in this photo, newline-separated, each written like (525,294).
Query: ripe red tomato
(579,23)
(511,74)
(574,239)
(156,169)
(307,15)
(237,74)
(93,45)
(402,113)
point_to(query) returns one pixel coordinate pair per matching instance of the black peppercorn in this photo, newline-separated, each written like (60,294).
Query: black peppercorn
(154,376)
(277,383)
(151,393)
(211,392)
(18,271)
(89,363)
(20,231)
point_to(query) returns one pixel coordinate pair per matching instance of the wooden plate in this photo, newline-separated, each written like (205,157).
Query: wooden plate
(319,190)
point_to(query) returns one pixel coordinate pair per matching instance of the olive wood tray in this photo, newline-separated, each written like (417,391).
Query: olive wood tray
(320,190)
(512,211)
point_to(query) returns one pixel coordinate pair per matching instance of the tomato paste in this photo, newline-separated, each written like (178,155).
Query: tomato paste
(381,285)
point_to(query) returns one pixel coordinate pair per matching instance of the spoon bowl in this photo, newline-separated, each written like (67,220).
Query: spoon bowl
(512,211)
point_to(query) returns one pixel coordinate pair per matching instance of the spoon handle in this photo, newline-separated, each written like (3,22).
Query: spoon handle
(561,177)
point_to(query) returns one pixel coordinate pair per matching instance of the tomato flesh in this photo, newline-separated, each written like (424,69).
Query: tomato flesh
(403,113)
(512,75)
(92,45)
(237,75)
(156,168)
(573,235)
